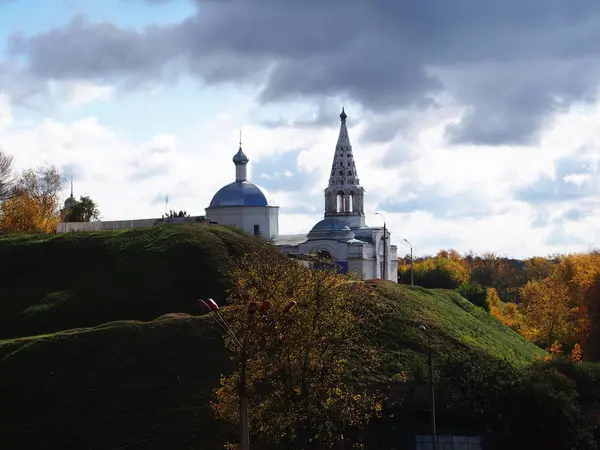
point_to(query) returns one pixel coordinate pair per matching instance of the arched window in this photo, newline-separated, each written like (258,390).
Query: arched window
(350,202)
(340,202)
(324,260)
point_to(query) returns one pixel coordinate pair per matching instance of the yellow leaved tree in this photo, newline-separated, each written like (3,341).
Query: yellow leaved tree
(33,206)
(304,366)
(548,311)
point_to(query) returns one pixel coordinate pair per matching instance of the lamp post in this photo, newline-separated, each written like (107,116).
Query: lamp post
(431,385)
(253,307)
(412,273)
(385,262)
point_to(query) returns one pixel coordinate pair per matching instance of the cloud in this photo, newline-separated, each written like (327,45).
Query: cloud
(496,60)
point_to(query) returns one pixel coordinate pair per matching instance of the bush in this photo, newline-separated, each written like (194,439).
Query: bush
(475,293)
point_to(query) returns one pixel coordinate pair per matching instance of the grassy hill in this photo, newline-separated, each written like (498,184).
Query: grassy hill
(50,283)
(144,381)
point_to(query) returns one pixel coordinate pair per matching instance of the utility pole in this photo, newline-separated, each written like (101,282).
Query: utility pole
(412,273)
(384,270)
(431,385)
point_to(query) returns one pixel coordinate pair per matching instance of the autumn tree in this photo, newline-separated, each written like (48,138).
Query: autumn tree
(6,177)
(300,365)
(548,311)
(538,268)
(84,210)
(444,271)
(581,274)
(34,204)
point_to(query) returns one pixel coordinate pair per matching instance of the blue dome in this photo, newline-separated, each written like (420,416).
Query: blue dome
(330,224)
(240,157)
(330,228)
(239,193)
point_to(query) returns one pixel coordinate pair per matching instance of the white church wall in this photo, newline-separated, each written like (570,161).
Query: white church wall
(246,218)
(273,221)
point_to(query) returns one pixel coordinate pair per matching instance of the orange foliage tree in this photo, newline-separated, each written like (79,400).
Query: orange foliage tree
(299,364)
(580,273)
(34,204)
(548,311)
(446,270)
(507,313)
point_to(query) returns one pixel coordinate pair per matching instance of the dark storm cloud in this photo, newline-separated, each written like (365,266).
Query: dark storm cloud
(512,62)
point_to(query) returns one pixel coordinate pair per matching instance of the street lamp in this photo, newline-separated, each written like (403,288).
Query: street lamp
(264,307)
(385,262)
(430,363)
(412,274)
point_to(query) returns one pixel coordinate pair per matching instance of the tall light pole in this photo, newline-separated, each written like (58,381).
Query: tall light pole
(431,385)
(412,273)
(253,307)
(385,262)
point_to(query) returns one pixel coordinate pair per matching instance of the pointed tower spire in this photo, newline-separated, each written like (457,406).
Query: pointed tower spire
(240,160)
(344,195)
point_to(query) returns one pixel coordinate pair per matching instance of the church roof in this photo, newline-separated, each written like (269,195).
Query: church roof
(240,157)
(330,228)
(239,193)
(343,168)
(70,202)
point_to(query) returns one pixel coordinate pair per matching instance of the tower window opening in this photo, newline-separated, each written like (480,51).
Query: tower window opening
(351,202)
(340,202)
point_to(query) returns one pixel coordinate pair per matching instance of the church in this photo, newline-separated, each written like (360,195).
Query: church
(342,235)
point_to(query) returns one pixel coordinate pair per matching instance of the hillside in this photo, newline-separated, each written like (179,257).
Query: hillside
(454,324)
(131,384)
(50,283)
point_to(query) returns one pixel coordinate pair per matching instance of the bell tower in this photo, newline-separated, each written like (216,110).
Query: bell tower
(344,195)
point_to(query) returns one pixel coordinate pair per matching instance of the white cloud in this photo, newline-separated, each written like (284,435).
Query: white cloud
(130,180)
(6,118)
(78,93)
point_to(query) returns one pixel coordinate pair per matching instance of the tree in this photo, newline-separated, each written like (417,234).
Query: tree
(6,177)
(33,205)
(85,210)
(300,365)
(538,268)
(548,311)
(438,272)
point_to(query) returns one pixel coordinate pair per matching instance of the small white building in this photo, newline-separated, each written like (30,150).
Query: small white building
(243,204)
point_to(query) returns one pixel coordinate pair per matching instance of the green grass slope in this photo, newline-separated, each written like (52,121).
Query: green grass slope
(453,323)
(50,283)
(122,385)
(147,385)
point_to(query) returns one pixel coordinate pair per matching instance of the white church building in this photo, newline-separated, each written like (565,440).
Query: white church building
(342,235)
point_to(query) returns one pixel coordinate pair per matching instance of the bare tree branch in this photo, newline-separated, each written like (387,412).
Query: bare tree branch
(6,177)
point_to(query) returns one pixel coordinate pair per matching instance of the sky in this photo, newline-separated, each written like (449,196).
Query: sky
(474,124)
